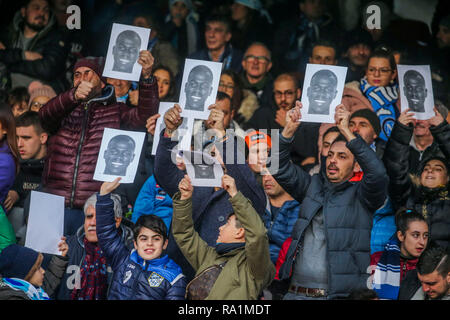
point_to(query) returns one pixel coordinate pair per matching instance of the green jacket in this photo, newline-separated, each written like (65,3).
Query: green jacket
(248,270)
(7,235)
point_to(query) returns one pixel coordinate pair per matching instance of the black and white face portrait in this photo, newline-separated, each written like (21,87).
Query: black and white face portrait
(125,44)
(198,88)
(204,170)
(321,91)
(415,91)
(324,85)
(118,155)
(126,51)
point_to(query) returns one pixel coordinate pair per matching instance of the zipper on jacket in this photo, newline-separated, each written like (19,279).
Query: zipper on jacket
(83,129)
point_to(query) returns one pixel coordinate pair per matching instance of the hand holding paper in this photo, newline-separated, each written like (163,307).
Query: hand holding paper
(108,187)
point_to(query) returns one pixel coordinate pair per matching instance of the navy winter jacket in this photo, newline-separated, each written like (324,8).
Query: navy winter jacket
(279,227)
(135,278)
(76,255)
(347,215)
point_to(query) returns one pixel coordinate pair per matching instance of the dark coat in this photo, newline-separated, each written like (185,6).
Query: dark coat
(135,278)
(347,210)
(49,42)
(409,285)
(29,178)
(405,190)
(76,255)
(77,135)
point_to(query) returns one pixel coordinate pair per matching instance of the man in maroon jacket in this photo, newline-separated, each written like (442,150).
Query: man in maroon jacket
(76,120)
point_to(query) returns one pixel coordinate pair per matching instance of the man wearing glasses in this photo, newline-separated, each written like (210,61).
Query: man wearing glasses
(257,63)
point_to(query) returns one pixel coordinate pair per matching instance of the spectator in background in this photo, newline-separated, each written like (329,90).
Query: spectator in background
(88,275)
(251,23)
(166,83)
(324,52)
(431,278)
(256,75)
(32,144)
(400,255)
(33,48)
(125,91)
(39,96)
(181,27)
(426,191)
(9,153)
(18,99)
(357,50)
(218,47)
(162,50)
(244,101)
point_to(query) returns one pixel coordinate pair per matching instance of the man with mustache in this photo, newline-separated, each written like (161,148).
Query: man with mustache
(332,234)
(33,48)
(87,274)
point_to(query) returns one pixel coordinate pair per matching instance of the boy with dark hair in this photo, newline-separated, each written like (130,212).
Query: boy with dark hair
(145,273)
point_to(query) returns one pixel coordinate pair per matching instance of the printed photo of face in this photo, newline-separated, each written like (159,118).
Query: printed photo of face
(198,88)
(415,90)
(126,51)
(204,171)
(321,92)
(118,155)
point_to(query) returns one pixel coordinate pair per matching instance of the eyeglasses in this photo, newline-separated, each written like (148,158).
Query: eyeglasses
(260,59)
(382,71)
(36,105)
(288,94)
(226,86)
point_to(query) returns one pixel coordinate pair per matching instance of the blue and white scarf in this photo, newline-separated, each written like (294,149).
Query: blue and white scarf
(383,101)
(386,279)
(31,291)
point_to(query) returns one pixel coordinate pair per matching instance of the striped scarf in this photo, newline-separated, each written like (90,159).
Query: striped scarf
(31,291)
(383,101)
(386,279)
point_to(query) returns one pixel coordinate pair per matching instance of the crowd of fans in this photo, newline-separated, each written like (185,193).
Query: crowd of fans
(357,209)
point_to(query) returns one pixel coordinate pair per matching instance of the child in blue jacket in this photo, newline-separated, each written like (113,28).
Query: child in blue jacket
(144,273)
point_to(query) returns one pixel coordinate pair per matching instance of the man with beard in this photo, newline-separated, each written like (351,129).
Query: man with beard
(331,237)
(32,49)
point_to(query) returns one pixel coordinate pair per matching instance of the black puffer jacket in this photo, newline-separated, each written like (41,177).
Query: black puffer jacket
(49,42)
(405,189)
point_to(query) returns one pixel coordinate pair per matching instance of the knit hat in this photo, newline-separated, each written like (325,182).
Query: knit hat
(19,262)
(95,63)
(370,116)
(43,90)
(255,137)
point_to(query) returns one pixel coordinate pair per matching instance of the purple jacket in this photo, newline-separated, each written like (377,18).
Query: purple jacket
(7,170)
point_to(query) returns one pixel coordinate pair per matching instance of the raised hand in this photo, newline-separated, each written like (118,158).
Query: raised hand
(151,123)
(186,188)
(342,118)
(229,185)
(172,119)
(293,118)
(280,117)
(437,119)
(406,117)
(146,60)
(63,247)
(215,119)
(108,187)
(84,91)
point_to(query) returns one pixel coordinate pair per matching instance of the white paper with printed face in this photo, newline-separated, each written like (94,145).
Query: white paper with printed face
(322,92)
(119,155)
(125,43)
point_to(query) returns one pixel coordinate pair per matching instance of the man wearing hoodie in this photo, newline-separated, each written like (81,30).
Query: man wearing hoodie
(33,49)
